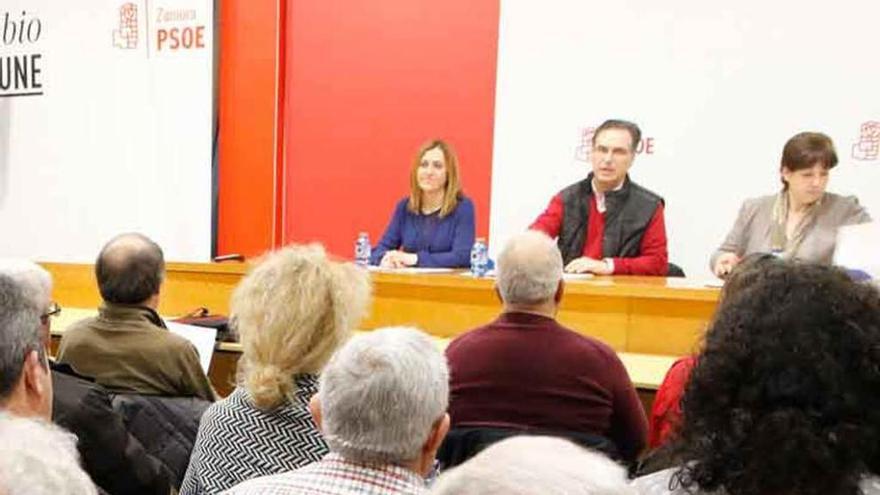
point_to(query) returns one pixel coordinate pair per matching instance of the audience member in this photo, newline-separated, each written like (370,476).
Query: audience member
(127,347)
(526,372)
(528,465)
(114,459)
(381,406)
(35,457)
(292,311)
(38,458)
(666,410)
(783,398)
(25,382)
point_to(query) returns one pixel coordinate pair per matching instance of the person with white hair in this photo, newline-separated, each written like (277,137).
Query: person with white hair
(381,406)
(526,372)
(114,459)
(39,458)
(526,465)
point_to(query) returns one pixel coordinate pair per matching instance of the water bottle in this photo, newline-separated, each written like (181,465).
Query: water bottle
(479,258)
(362,250)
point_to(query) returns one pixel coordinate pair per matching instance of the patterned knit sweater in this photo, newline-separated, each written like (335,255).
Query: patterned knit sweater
(237,441)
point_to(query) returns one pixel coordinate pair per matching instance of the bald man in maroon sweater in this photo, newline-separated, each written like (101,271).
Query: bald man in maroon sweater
(525,371)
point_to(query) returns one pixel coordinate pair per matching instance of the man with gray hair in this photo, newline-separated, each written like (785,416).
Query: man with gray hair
(524,372)
(25,380)
(534,464)
(381,406)
(35,456)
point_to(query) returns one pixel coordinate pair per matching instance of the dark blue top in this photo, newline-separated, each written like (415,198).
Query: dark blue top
(439,242)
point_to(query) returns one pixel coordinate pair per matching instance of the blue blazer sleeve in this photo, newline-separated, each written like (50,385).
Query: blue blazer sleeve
(462,240)
(393,236)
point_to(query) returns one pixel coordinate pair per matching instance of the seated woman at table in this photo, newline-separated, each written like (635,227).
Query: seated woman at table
(802,219)
(434,226)
(292,311)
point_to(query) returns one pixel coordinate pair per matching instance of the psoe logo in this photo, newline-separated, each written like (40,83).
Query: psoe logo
(125,36)
(179,30)
(584,148)
(867,148)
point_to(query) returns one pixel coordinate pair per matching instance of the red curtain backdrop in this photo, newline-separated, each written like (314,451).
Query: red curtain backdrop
(366,83)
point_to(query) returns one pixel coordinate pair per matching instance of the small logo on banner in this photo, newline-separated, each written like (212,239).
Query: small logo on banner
(584,148)
(21,64)
(125,36)
(165,30)
(867,148)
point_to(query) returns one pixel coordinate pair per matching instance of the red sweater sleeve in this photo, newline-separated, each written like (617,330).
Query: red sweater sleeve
(666,410)
(653,259)
(550,221)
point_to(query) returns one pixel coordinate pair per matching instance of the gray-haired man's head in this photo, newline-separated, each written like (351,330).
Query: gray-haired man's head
(32,278)
(36,284)
(529,270)
(383,398)
(25,382)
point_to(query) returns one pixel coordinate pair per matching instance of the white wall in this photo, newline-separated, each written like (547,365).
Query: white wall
(719,86)
(119,141)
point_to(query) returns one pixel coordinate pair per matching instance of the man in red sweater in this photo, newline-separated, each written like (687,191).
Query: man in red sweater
(607,224)
(526,372)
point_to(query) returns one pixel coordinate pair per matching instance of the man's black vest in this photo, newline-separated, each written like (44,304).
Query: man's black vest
(628,212)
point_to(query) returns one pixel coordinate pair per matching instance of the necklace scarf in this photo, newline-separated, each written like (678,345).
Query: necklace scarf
(780,243)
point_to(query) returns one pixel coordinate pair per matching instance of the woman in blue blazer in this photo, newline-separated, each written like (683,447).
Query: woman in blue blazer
(434,226)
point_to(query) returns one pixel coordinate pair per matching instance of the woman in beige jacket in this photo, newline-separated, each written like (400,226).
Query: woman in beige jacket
(800,221)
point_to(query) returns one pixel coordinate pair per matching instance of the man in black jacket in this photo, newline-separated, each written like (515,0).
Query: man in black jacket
(607,224)
(115,460)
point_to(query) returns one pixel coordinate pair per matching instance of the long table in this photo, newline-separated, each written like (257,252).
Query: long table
(649,315)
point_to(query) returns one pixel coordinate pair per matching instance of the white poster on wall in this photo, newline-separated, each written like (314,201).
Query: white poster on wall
(105,126)
(716,88)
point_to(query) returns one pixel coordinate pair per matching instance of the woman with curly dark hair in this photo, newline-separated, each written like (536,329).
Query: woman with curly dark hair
(666,409)
(784,397)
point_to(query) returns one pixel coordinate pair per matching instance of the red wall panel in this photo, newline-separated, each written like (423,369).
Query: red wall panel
(366,83)
(247,116)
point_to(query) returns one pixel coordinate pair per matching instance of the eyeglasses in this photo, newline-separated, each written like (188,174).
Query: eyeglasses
(54,309)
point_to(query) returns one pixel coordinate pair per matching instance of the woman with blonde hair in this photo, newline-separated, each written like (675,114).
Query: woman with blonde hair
(434,225)
(291,311)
